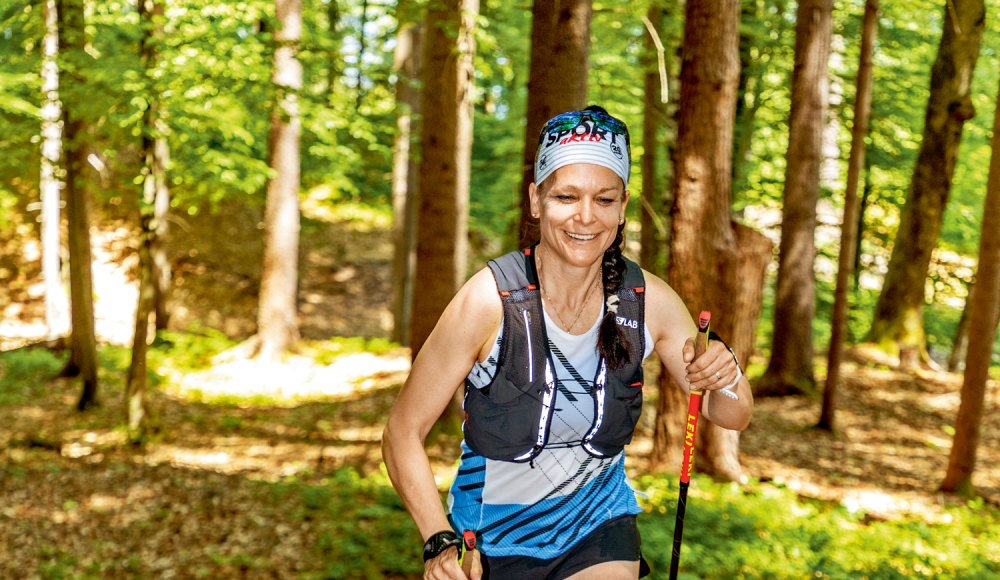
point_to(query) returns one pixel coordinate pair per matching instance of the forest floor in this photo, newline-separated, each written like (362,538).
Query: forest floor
(226,485)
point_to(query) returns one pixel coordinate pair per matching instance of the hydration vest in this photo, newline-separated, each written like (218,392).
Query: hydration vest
(509,419)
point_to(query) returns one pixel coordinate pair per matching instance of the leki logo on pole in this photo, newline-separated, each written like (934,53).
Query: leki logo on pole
(700,346)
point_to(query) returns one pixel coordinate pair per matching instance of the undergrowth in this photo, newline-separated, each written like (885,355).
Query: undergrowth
(767,532)
(762,532)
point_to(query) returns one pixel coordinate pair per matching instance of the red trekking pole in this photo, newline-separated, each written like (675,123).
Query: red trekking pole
(700,344)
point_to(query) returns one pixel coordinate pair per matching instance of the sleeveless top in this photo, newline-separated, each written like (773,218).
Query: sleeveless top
(542,509)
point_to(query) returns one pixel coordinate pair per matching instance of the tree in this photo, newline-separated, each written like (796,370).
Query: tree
(790,370)
(154,188)
(83,344)
(984,315)
(956,361)
(56,306)
(712,260)
(446,146)
(653,116)
(849,229)
(277,327)
(408,62)
(897,324)
(557,82)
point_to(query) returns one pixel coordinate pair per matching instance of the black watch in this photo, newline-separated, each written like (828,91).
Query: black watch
(440,542)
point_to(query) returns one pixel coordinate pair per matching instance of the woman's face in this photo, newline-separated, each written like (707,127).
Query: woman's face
(579,207)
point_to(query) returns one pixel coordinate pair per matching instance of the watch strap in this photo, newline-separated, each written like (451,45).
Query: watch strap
(440,542)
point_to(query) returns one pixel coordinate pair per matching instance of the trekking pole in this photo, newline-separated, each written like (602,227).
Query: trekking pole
(700,344)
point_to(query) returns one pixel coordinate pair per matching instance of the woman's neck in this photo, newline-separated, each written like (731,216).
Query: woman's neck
(569,284)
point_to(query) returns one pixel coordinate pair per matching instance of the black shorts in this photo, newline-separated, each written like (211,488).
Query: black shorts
(616,539)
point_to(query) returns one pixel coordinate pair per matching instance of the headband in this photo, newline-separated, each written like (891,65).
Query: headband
(588,136)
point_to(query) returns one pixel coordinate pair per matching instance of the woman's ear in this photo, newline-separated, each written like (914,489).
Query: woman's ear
(535,203)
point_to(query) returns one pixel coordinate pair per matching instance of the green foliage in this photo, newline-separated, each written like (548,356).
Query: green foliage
(326,351)
(768,533)
(189,350)
(24,372)
(763,532)
(363,529)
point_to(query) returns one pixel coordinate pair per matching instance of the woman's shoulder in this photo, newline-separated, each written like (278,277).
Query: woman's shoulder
(664,307)
(478,301)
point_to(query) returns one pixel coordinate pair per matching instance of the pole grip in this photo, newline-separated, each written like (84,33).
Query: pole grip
(694,403)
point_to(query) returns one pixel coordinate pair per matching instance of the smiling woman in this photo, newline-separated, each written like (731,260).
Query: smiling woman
(549,342)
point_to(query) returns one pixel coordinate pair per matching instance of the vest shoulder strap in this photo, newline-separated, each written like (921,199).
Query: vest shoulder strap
(510,271)
(633,275)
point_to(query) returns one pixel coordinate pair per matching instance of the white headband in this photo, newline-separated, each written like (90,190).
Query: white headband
(587,143)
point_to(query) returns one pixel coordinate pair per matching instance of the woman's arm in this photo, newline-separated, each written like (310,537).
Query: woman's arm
(673,334)
(468,324)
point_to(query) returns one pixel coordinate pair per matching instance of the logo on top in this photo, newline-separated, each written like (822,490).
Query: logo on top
(587,130)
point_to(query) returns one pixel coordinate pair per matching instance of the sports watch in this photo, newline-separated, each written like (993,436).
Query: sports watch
(440,542)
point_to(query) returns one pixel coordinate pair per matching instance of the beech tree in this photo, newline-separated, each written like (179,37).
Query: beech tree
(83,344)
(714,264)
(154,188)
(446,148)
(654,116)
(984,315)
(790,370)
(849,228)
(956,360)
(557,82)
(897,325)
(408,62)
(277,327)
(56,305)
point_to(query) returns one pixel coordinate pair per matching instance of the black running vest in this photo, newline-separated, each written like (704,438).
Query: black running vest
(509,419)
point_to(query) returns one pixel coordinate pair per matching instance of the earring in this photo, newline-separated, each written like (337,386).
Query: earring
(621,221)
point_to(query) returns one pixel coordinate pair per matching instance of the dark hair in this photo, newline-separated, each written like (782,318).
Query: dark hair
(611,341)
(597,109)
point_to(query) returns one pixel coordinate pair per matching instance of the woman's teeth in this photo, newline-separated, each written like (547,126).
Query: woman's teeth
(579,237)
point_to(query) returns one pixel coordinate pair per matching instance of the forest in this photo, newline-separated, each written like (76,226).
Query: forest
(228,226)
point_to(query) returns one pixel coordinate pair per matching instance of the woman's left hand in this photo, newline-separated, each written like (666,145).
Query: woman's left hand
(713,370)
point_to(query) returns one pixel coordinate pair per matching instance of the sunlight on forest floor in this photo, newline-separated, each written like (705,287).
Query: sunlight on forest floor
(294,379)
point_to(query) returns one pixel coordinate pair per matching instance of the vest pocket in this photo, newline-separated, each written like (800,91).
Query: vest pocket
(621,413)
(500,425)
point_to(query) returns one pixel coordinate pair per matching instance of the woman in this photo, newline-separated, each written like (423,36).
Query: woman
(549,342)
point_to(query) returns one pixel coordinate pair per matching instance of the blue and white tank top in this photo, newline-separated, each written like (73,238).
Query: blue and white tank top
(543,510)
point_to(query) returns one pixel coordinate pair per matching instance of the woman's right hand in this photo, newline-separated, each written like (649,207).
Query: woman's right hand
(446,567)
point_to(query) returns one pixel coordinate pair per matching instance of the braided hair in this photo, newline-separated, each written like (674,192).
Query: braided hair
(611,341)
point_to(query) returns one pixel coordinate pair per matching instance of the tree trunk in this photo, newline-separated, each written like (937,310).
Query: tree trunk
(956,362)
(898,323)
(849,228)
(865,198)
(83,350)
(276,319)
(557,82)
(135,385)
(745,116)
(154,190)
(446,146)
(408,57)
(56,305)
(984,314)
(361,54)
(158,251)
(790,370)
(720,447)
(704,253)
(653,117)
(332,56)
